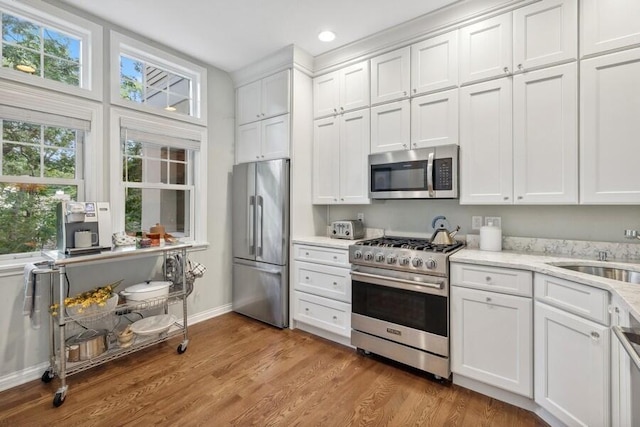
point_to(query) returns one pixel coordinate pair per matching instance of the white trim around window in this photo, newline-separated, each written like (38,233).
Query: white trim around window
(121,44)
(167,128)
(91,38)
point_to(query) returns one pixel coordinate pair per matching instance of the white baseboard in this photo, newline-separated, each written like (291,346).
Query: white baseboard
(31,373)
(15,379)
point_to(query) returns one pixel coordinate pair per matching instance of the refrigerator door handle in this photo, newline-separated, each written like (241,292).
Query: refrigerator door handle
(250,222)
(259,225)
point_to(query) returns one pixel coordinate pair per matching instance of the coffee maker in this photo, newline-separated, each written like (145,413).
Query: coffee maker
(83,227)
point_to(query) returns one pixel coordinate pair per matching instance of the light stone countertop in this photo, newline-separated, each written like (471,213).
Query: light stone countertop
(627,293)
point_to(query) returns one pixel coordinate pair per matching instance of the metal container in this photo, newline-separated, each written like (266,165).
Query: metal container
(92,343)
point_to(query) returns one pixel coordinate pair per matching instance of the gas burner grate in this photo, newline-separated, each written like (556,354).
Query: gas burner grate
(415,244)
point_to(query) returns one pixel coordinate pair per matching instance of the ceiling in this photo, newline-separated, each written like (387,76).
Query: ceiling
(231,34)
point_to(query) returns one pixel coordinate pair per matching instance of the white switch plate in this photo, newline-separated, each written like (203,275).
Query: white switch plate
(496,220)
(476,222)
(360,217)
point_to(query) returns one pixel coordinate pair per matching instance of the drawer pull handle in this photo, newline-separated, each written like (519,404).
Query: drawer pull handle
(306,253)
(335,257)
(488,278)
(306,309)
(488,299)
(335,317)
(335,283)
(595,335)
(306,278)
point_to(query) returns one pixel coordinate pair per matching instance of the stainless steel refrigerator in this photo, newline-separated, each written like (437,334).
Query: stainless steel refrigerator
(261,241)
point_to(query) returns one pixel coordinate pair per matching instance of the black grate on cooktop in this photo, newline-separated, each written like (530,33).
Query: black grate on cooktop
(415,244)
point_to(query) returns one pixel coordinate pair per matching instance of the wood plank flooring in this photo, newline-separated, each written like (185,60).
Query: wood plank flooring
(238,371)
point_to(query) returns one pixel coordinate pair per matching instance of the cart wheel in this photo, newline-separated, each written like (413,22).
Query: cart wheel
(58,399)
(47,376)
(182,348)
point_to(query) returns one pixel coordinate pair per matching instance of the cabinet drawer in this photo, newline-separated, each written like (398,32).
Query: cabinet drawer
(330,256)
(323,313)
(495,279)
(323,280)
(583,300)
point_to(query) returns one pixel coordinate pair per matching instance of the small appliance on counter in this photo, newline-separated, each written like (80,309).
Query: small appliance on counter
(83,227)
(347,229)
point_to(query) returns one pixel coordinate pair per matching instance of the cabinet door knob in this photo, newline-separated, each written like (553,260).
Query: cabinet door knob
(335,317)
(258,115)
(257,157)
(488,299)
(335,283)
(506,70)
(335,200)
(405,93)
(263,156)
(306,309)
(306,253)
(415,144)
(262,114)
(342,199)
(520,197)
(404,145)
(595,335)
(520,67)
(506,198)
(415,90)
(488,278)
(306,278)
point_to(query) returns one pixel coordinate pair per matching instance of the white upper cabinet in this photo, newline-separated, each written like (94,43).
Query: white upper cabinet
(340,159)
(434,119)
(486,49)
(610,126)
(545,136)
(545,33)
(342,90)
(539,35)
(390,126)
(263,140)
(264,98)
(486,147)
(608,25)
(390,76)
(434,64)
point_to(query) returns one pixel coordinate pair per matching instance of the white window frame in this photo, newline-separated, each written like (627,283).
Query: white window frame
(121,44)
(171,128)
(33,98)
(91,53)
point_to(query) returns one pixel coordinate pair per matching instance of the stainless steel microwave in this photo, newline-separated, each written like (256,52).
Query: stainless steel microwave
(423,173)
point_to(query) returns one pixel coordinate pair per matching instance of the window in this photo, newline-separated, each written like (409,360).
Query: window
(35,49)
(161,175)
(151,85)
(147,79)
(47,47)
(48,143)
(158,184)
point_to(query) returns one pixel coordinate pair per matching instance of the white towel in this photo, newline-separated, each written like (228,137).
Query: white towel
(30,296)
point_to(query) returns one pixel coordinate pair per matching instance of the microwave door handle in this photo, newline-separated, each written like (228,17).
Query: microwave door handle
(430,175)
(251,225)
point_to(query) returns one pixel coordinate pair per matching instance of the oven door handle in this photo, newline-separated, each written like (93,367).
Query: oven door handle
(408,285)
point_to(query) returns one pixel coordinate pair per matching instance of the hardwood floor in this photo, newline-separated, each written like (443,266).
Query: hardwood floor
(238,371)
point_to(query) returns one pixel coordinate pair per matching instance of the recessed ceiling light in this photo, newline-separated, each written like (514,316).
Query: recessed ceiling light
(327,36)
(26,68)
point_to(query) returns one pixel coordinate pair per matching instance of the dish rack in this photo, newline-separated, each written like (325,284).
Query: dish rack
(62,326)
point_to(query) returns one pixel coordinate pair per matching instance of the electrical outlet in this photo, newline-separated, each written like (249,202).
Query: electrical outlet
(476,222)
(495,220)
(360,216)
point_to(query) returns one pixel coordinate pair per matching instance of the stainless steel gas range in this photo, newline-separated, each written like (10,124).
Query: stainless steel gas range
(400,301)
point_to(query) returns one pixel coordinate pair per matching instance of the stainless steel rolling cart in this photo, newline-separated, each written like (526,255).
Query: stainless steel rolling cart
(63,325)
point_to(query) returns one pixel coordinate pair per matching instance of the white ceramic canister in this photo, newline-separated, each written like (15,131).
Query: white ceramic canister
(490,238)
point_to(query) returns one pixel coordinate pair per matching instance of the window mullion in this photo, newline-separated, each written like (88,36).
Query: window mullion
(41,151)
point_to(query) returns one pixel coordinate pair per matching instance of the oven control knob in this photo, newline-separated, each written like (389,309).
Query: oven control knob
(357,255)
(380,257)
(391,259)
(404,261)
(417,262)
(368,256)
(430,263)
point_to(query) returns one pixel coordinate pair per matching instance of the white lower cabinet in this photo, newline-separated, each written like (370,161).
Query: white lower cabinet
(491,326)
(322,289)
(491,338)
(572,365)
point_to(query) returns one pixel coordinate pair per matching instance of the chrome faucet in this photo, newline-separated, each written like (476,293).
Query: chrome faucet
(631,234)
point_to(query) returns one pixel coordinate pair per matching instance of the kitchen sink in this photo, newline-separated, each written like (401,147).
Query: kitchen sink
(620,274)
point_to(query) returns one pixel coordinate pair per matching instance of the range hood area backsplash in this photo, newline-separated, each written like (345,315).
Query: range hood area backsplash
(590,223)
